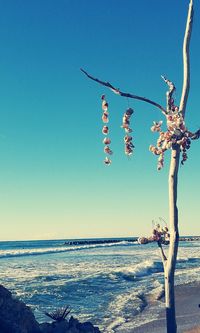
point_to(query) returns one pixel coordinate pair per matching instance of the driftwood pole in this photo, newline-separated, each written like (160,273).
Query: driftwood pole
(169,263)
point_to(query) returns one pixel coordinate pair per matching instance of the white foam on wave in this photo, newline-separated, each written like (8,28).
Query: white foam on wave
(123,308)
(187,275)
(59,249)
(141,269)
(126,310)
(157,292)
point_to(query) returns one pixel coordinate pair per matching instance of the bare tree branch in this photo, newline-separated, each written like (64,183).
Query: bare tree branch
(123,94)
(186,59)
(163,256)
(169,94)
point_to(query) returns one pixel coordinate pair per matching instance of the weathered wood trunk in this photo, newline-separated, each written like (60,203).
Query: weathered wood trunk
(174,239)
(170,263)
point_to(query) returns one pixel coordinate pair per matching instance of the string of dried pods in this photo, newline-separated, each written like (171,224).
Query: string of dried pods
(105,131)
(128,144)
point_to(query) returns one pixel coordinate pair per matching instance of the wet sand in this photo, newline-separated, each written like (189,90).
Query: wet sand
(187,312)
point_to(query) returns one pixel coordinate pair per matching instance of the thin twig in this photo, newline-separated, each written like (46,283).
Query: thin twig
(169,94)
(163,256)
(123,94)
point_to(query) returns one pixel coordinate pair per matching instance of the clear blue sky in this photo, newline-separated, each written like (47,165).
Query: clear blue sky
(53,183)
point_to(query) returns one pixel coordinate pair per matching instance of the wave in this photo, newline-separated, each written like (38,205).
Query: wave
(123,309)
(142,269)
(52,250)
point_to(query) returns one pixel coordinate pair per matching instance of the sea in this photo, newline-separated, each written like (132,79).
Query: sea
(107,283)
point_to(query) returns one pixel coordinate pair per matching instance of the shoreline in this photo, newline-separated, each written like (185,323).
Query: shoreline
(187,312)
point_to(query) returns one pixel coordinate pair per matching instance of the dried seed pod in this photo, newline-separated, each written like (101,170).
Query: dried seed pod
(106,141)
(143,240)
(105,130)
(169,145)
(195,135)
(156,126)
(167,236)
(126,120)
(184,158)
(128,130)
(107,161)
(161,157)
(105,117)
(160,162)
(104,105)
(160,166)
(128,138)
(129,112)
(165,229)
(128,149)
(107,150)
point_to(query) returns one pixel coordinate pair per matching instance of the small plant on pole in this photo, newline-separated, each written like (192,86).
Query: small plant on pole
(177,138)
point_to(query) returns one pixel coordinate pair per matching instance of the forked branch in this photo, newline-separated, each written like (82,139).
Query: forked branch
(123,94)
(186,59)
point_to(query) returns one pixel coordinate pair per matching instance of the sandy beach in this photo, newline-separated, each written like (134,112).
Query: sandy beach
(187,312)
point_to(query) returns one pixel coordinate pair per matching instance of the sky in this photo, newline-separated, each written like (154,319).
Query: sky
(53,183)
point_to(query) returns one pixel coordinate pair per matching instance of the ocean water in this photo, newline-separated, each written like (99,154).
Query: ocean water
(107,284)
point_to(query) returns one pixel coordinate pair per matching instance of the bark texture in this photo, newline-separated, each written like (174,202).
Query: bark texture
(170,266)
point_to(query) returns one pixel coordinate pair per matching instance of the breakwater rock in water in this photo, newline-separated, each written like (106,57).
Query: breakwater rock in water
(99,241)
(17,317)
(190,239)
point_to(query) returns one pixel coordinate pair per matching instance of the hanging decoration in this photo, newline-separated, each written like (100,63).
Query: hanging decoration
(105,131)
(128,144)
(176,134)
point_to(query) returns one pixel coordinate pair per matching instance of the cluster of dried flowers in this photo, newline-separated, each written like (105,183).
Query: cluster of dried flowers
(176,134)
(128,149)
(105,131)
(159,234)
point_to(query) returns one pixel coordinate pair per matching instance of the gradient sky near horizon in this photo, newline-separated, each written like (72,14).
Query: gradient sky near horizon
(53,183)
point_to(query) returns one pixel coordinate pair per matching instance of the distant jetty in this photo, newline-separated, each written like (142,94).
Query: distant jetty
(190,239)
(99,241)
(111,241)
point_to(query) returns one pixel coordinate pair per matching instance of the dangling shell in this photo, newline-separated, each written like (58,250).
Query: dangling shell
(129,112)
(105,117)
(165,229)
(143,240)
(106,141)
(128,149)
(127,138)
(125,120)
(105,130)
(128,130)
(107,161)
(104,105)
(107,150)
